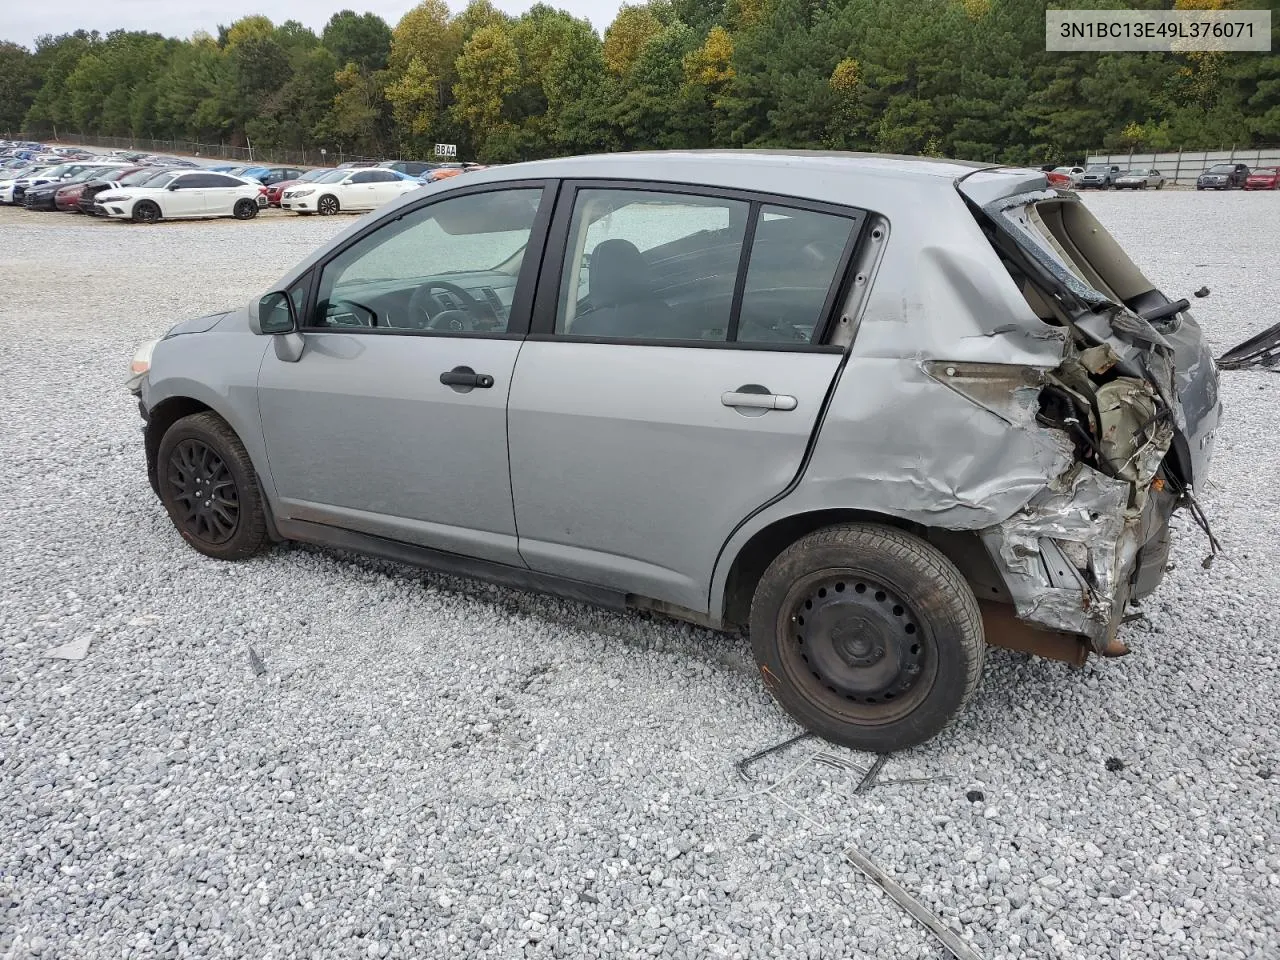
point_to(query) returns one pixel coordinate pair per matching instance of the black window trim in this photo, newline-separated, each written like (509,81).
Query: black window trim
(546,304)
(522,301)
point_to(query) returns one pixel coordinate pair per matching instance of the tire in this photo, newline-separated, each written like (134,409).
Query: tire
(327,205)
(889,618)
(146,211)
(1160,185)
(244,209)
(201,453)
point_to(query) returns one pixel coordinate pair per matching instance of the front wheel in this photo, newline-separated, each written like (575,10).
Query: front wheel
(867,636)
(327,205)
(146,211)
(210,489)
(244,209)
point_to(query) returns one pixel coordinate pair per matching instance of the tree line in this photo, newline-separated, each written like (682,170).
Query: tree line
(960,78)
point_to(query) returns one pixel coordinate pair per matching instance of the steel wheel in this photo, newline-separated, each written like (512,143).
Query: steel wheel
(867,635)
(327,206)
(857,646)
(204,491)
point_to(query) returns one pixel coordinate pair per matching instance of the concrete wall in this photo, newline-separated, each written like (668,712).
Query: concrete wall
(1184,166)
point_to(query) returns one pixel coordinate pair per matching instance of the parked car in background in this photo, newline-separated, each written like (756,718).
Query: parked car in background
(183,195)
(1073,173)
(359,189)
(1263,178)
(583,417)
(1223,176)
(162,160)
(1099,176)
(414,168)
(56,173)
(70,194)
(9,179)
(1139,179)
(138,177)
(42,196)
(1060,180)
(274,175)
(275,190)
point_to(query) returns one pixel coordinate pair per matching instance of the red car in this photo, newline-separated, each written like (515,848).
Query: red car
(274,190)
(1264,178)
(1059,181)
(67,199)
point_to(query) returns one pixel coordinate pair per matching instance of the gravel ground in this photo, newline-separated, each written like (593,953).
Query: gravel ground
(436,767)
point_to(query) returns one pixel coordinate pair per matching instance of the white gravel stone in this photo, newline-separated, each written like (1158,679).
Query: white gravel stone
(438,767)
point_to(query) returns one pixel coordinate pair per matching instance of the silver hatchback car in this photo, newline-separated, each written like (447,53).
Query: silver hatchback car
(880,411)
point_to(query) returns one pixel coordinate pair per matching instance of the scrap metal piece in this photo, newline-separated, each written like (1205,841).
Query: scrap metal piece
(869,779)
(959,949)
(256,664)
(1261,350)
(754,758)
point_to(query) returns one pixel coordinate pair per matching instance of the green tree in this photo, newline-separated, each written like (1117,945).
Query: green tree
(19,82)
(363,39)
(488,72)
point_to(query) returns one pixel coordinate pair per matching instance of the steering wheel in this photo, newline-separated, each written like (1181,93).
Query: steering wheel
(423,304)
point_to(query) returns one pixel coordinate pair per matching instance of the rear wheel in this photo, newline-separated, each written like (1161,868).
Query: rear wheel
(210,489)
(867,636)
(327,205)
(146,211)
(244,209)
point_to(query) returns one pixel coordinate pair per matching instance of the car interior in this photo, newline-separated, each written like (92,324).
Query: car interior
(645,266)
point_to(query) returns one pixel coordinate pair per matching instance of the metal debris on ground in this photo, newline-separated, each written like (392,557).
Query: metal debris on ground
(77,649)
(959,949)
(256,664)
(1262,350)
(869,779)
(746,762)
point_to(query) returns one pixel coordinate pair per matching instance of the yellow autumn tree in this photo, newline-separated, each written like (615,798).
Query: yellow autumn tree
(711,65)
(631,29)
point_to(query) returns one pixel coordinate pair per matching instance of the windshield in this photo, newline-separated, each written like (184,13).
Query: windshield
(1268,171)
(1222,168)
(92,173)
(334,176)
(137,178)
(313,175)
(161,179)
(1096,168)
(57,171)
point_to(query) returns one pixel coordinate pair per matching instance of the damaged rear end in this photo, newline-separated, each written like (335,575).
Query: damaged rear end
(1133,402)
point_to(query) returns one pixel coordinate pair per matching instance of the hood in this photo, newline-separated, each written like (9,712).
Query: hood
(197,324)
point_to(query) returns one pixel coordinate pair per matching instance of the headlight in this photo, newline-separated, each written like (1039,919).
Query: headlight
(142,357)
(140,366)
(305,192)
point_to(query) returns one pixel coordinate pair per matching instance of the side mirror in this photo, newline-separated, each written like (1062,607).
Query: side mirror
(172,186)
(274,314)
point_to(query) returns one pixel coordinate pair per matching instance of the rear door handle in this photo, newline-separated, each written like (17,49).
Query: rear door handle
(758,401)
(464,379)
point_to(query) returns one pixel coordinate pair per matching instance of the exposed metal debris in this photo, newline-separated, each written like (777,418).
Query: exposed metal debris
(747,762)
(1262,351)
(959,949)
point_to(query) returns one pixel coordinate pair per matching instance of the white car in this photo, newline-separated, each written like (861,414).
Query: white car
(182,194)
(9,179)
(359,189)
(1075,173)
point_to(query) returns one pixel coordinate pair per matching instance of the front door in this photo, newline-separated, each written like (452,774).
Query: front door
(187,198)
(673,379)
(393,420)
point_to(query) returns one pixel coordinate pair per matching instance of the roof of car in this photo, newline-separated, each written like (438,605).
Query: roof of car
(779,161)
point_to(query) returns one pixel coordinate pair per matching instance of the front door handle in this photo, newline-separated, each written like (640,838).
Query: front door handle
(758,398)
(464,379)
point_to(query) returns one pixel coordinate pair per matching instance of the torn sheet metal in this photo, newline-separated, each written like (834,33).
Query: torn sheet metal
(1085,508)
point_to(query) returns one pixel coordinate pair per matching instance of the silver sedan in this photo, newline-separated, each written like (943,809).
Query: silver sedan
(1140,179)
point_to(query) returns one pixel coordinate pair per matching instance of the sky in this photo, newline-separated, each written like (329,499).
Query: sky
(22,22)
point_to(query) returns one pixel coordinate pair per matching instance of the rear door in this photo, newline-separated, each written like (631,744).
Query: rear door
(363,191)
(672,379)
